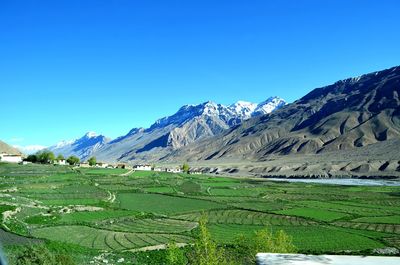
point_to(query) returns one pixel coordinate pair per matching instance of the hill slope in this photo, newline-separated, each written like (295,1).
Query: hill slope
(83,147)
(8,149)
(347,115)
(188,125)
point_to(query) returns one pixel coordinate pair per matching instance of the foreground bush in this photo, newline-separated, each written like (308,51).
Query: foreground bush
(40,255)
(206,252)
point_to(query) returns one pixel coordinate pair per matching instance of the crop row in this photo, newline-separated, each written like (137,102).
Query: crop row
(388,228)
(149,225)
(245,217)
(105,239)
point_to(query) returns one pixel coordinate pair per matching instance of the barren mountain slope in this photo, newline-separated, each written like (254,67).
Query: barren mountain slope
(349,114)
(189,124)
(8,149)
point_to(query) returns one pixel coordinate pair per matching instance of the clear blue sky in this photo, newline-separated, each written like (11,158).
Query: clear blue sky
(67,67)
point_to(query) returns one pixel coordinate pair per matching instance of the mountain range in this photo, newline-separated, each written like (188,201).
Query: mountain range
(189,124)
(351,125)
(82,147)
(349,128)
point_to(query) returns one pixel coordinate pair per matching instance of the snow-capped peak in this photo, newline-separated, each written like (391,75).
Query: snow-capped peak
(90,134)
(63,143)
(269,105)
(243,108)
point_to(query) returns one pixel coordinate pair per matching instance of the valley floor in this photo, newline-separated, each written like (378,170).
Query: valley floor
(109,214)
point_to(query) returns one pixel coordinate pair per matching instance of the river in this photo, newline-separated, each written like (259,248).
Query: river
(344,181)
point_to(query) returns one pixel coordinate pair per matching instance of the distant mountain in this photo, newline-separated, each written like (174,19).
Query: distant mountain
(349,114)
(82,147)
(5,148)
(189,124)
(29,149)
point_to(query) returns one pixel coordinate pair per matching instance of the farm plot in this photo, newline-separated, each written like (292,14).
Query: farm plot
(305,238)
(160,189)
(103,171)
(387,228)
(158,225)
(392,219)
(251,192)
(163,204)
(314,213)
(92,216)
(105,239)
(7,239)
(153,208)
(235,216)
(261,205)
(340,206)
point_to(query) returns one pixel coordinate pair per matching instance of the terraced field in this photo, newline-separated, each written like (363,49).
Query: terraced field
(104,239)
(97,210)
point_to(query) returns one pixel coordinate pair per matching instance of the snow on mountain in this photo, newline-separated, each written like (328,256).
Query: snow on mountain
(29,149)
(82,147)
(189,124)
(268,106)
(242,110)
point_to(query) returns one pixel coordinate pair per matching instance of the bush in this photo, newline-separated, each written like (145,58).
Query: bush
(40,255)
(262,241)
(205,250)
(174,255)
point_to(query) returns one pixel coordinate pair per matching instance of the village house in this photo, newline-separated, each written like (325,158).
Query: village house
(102,165)
(142,167)
(174,170)
(61,162)
(84,164)
(9,158)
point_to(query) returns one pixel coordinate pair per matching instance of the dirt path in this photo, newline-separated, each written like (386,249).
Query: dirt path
(111,197)
(127,173)
(156,247)
(9,214)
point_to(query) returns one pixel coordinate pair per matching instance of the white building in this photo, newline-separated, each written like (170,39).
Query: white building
(84,164)
(102,165)
(10,158)
(174,170)
(61,162)
(142,167)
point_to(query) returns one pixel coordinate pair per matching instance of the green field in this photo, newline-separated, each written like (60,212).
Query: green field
(93,210)
(163,204)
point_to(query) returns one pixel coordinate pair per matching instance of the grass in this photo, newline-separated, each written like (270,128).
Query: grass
(318,239)
(314,213)
(393,219)
(152,208)
(104,239)
(163,204)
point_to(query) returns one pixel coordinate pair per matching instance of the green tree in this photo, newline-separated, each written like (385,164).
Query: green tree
(92,161)
(40,255)
(60,157)
(73,160)
(174,255)
(32,158)
(45,157)
(185,168)
(246,248)
(206,251)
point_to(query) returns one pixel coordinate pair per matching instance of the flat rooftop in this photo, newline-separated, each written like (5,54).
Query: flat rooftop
(301,259)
